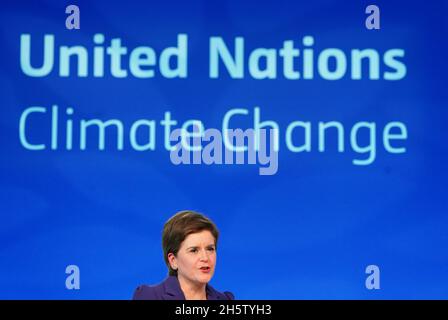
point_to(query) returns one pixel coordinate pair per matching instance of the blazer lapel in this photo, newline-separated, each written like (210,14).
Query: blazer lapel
(172,290)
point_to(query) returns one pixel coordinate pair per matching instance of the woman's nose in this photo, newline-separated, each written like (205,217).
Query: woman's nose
(204,255)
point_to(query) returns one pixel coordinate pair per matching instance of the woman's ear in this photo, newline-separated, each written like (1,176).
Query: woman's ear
(172,261)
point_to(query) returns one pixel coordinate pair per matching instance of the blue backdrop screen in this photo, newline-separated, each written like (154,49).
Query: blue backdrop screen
(90,171)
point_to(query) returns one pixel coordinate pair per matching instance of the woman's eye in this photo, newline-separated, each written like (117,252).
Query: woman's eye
(197,250)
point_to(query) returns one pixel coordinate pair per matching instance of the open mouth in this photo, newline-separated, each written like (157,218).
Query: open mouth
(205,269)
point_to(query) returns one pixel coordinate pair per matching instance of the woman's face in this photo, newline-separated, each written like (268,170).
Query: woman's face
(196,258)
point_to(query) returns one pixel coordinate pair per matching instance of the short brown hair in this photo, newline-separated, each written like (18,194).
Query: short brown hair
(178,227)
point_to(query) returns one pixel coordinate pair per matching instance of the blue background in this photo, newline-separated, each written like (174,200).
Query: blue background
(307,232)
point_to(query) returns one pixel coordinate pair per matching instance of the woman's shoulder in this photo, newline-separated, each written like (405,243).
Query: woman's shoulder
(169,289)
(229,295)
(144,292)
(214,294)
(147,292)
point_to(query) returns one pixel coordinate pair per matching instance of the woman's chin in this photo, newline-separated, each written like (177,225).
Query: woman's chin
(204,278)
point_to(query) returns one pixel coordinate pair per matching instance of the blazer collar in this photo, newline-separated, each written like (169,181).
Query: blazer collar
(173,290)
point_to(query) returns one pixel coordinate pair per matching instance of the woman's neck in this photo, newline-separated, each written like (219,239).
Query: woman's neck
(192,291)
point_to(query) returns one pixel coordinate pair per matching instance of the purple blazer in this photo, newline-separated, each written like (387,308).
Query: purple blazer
(170,289)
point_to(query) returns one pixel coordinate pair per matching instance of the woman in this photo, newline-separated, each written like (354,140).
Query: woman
(189,243)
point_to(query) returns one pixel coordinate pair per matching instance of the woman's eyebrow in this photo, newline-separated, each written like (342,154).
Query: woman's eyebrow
(195,247)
